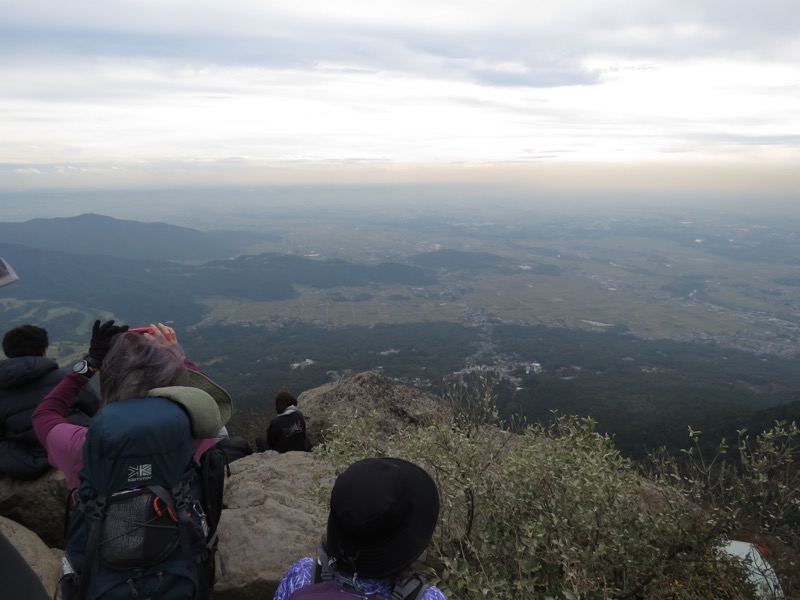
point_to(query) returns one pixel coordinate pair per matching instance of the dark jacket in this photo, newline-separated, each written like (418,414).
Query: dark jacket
(287,432)
(24,382)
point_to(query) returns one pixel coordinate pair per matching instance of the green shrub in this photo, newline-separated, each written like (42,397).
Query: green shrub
(750,491)
(549,511)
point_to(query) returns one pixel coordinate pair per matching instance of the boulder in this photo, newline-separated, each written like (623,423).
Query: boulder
(44,562)
(392,405)
(275,512)
(38,504)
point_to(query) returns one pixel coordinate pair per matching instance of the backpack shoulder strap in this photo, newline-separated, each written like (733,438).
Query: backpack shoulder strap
(412,588)
(212,471)
(322,567)
(91,561)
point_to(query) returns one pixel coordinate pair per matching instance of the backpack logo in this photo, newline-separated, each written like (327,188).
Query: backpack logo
(139,472)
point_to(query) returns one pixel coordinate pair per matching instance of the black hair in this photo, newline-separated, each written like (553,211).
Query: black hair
(25,340)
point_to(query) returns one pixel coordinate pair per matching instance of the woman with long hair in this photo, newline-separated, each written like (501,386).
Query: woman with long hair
(129,365)
(140,520)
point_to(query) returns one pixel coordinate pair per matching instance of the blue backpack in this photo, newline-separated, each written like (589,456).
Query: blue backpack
(145,526)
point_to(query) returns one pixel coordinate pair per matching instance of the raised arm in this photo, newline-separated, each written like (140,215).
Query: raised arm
(53,409)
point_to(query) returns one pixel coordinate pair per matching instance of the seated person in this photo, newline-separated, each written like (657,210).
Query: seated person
(287,431)
(26,377)
(383,512)
(234,446)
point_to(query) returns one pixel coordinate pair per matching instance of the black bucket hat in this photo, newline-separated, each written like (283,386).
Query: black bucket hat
(383,514)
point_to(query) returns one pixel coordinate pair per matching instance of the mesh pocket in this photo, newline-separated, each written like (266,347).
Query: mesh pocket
(133,534)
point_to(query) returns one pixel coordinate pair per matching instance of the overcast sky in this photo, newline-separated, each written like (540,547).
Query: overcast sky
(693,93)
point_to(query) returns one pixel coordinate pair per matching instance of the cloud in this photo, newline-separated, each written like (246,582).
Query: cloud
(119,88)
(400,35)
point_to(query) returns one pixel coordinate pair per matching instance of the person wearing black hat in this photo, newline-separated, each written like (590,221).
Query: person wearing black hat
(383,512)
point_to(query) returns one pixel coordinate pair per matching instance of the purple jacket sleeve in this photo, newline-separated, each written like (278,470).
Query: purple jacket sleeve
(53,409)
(63,441)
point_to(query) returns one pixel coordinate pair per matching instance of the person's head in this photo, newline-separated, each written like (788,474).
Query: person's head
(25,340)
(136,363)
(283,400)
(383,512)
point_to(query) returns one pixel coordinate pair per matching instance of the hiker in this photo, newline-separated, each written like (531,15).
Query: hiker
(287,431)
(383,512)
(26,376)
(158,417)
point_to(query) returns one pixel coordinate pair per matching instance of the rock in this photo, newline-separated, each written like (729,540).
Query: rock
(38,504)
(368,393)
(275,512)
(44,562)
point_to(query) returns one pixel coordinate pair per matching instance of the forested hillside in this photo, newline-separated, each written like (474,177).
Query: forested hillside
(630,321)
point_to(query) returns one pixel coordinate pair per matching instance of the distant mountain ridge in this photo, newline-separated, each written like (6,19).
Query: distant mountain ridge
(66,290)
(98,263)
(98,234)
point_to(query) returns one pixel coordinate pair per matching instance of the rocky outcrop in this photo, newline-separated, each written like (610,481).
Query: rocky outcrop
(275,512)
(368,393)
(39,505)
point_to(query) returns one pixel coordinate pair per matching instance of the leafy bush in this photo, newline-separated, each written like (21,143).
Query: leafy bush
(751,491)
(550,511)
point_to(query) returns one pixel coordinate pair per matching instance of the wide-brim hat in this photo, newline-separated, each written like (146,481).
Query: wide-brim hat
(383,513)
(221,397)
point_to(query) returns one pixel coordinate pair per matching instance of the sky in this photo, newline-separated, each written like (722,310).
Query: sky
(593,94)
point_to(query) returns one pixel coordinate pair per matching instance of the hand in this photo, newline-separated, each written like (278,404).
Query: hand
(101,340)
(164,334)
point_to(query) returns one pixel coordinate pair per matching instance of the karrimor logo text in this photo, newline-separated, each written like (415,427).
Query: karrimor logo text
(139,472)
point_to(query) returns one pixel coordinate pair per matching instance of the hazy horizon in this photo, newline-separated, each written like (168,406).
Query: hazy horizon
(251,207)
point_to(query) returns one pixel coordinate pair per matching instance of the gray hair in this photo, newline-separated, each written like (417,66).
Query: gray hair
(136,363)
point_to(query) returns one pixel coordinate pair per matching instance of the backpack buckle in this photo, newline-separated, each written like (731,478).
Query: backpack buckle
(98,509)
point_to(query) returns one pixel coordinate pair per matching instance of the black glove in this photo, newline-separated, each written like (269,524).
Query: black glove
(101,341)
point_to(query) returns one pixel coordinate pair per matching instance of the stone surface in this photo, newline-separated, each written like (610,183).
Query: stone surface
(395,405)
(39,505)
(275,512)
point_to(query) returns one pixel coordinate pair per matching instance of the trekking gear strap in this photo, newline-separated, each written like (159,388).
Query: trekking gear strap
(91,560)
(323,567)
(412,588)
(69,505)
(179,509)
